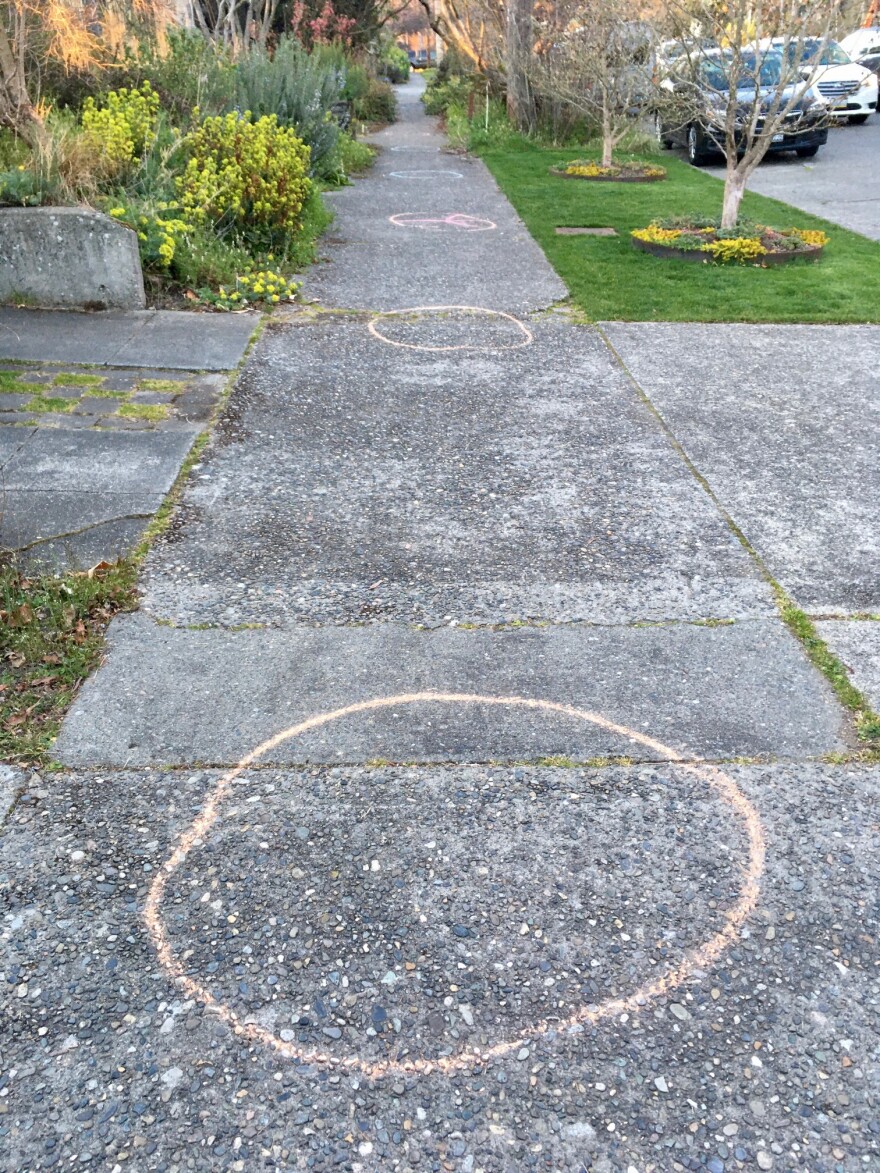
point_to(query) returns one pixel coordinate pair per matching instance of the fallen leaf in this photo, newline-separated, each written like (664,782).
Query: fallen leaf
(92,571)
(52,658)
(16,659)
(21,616)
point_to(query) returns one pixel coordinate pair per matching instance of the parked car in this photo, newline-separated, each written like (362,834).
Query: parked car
(695,96)
(849,89)
(862,42)
(864,48)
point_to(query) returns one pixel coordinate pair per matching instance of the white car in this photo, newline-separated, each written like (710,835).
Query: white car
(849,89)
(862,43)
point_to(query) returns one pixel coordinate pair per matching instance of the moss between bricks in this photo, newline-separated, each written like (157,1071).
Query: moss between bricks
(42,403)
(144,411)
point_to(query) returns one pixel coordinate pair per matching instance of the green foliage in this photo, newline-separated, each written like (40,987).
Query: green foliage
(125,126)
(378,104)
(355,156)
(14,153)
(194,73)
(357,82)
(21,188)
(245,177)
(394,65)
(264,287)
(609,280)
(51,636)
(159,229)
(203,259)
(300,89)
(444,91)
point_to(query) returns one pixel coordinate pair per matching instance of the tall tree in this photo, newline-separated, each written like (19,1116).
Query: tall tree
(747,73)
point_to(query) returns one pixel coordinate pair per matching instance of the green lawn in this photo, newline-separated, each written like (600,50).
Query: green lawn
(608,279)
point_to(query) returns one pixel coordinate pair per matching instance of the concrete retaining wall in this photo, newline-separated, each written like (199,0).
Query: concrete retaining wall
(69,257)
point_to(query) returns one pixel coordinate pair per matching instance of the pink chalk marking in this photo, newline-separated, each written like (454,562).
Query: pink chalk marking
(452,222)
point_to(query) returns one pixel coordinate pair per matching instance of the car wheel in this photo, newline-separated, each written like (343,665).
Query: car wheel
(806,152)
(858,119)
(696,152)
(664,140)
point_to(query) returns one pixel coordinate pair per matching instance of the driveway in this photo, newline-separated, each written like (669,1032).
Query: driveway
(842,183)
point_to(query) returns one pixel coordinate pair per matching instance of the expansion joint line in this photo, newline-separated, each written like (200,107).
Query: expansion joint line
(865,720)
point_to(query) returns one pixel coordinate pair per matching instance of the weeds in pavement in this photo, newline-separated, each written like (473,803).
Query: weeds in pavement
(51,635)
(867,722)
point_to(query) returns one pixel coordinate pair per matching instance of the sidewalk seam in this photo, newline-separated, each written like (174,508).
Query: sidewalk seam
(865,722)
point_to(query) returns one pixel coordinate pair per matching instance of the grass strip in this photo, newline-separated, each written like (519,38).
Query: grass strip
(867,722)
(610,281)
(51,637)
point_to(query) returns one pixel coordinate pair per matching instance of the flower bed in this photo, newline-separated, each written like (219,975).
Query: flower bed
(747,244)
(615,173)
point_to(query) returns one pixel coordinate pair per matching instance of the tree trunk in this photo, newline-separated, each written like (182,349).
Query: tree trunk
(734,190)
(607,133)
(16,109)
(520,101)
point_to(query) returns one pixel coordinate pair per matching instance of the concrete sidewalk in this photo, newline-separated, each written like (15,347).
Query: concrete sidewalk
(90,448)
(165,339)
(459,800)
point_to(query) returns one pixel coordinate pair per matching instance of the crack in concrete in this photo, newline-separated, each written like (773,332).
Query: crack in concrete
(74,533)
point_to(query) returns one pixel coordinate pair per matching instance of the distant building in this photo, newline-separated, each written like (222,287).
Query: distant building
(414,35)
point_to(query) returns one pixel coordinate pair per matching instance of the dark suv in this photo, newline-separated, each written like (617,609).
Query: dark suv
(695,96)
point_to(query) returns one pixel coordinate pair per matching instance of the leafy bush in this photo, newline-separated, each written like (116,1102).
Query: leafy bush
(21,188)
(300,89)
(443,92)
(203,259)
(125,126)
(245,177)
(159,229)
(378,104)
(194,72)
(357,82)
(394,65)
(355,156)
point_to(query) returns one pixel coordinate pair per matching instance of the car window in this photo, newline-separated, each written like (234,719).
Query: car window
(818,53)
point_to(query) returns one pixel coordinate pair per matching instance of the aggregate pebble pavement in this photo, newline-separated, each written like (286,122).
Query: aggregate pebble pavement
(329,874)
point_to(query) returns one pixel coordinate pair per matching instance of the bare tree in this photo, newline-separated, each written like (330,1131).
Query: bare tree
(595,58)
(745,74)
(78,33)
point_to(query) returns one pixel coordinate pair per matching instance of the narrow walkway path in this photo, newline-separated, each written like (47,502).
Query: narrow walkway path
(380,844)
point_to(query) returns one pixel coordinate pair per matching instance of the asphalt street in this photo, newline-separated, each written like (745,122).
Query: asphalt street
(841,184)
(458,799)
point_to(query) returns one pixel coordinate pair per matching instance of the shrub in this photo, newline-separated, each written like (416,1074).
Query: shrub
(378,104)
(160,229)
(194,72)
(355,156)
(246,177)
(394,65)
(357,82)
(445,91)
(202,259)
(21,188)
(125,127)
(301,90)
